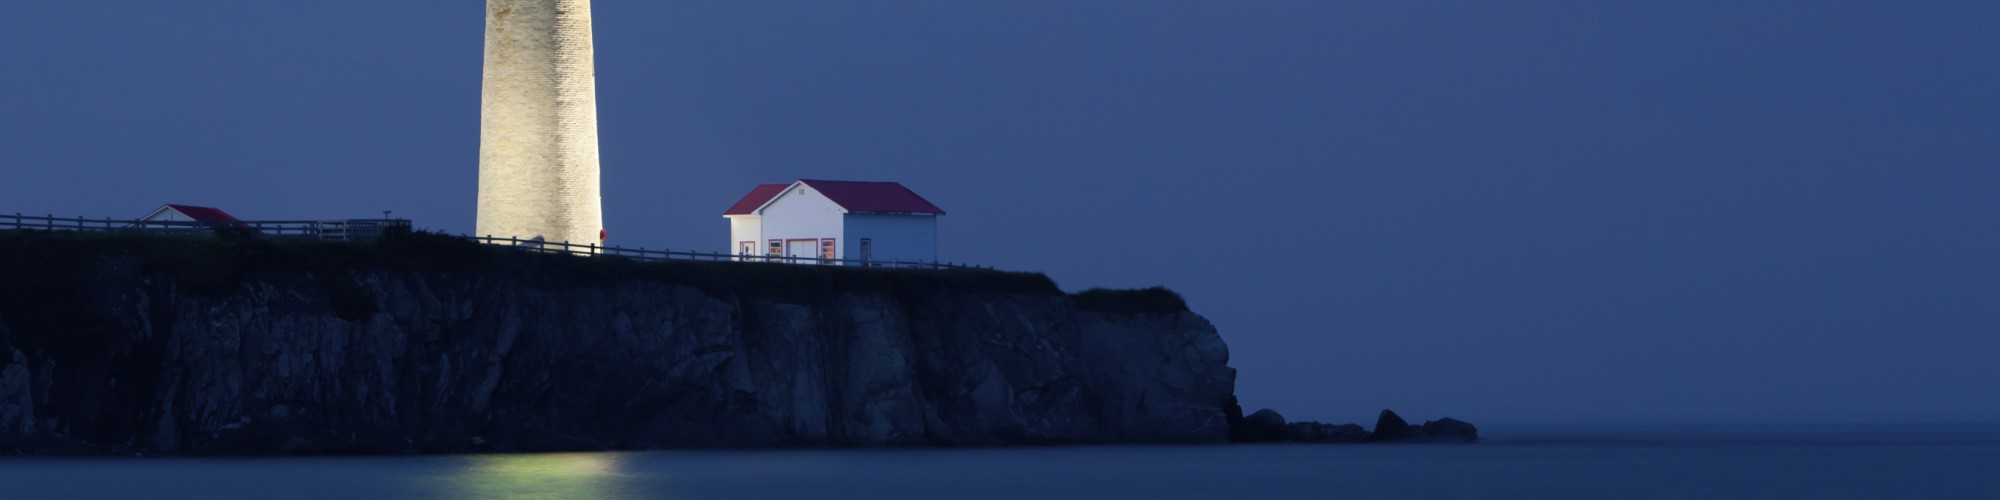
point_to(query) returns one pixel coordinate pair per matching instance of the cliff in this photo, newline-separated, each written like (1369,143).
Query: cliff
(207,345)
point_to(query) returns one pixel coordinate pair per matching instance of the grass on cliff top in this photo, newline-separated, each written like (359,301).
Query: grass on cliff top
(1155,300)
(788,281)
(216,264)
(41,266)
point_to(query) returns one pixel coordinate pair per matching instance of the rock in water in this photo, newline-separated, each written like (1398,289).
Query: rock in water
(1390,427)
(1451,430)
(1265,426)
(1239,431)
(1315,432)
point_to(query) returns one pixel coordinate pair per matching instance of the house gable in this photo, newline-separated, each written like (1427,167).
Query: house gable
(800,213)
(798,195)
(799,201)
(173,212)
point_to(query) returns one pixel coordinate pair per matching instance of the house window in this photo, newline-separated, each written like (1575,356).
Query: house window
(867,249)
(826,249)
(777,248)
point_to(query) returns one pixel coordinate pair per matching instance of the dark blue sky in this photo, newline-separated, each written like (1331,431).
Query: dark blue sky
(1501,211)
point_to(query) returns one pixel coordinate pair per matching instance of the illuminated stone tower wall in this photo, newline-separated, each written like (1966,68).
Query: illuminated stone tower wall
(538,174)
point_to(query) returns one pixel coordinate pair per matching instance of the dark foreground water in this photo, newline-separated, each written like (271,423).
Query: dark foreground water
(1601,462)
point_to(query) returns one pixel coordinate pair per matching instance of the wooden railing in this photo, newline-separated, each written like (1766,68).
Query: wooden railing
(664,254)
(368,229)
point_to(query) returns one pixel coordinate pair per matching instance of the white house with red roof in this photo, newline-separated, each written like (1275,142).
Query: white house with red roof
(877,222)
(189,213)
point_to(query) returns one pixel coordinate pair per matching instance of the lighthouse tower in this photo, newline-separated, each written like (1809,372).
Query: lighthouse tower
(538,173)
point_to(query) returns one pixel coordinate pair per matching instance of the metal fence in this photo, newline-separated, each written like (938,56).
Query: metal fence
(369,229)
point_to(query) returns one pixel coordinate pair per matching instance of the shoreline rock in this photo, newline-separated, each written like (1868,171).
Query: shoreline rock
(1268,426)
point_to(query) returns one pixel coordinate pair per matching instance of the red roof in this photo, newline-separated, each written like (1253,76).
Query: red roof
(852,195)
(757,198)
(874,197)
(203,214)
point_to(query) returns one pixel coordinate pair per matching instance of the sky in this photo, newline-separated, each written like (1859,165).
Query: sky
(1521,212)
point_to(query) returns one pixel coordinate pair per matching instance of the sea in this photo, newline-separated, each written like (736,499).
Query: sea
(1539,462)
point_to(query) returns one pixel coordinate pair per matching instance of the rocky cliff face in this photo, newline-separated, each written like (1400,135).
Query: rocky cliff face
(257,347)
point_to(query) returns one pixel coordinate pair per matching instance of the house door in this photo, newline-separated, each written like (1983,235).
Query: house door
(746,249)
(805,250)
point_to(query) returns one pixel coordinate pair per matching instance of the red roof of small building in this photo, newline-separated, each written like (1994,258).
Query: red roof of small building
(203,214)
(874,197)
(855,196)
(757,198)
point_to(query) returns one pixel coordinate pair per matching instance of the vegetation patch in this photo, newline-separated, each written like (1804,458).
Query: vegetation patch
(66,264)
(1155,300)
(806,284)
(218,264)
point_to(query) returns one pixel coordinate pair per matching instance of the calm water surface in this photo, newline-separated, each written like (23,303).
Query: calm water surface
(1597,462)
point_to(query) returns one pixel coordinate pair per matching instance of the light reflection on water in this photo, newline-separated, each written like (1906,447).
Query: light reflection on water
(1629,462)
(540,476)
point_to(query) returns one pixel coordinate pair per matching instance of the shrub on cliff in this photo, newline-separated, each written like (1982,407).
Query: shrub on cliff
(1155,300)
(207,264)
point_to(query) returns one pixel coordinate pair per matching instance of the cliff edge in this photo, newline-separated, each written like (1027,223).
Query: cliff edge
(420,343)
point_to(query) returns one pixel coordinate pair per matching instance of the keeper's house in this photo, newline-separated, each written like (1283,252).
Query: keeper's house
(189,213)
(879,223)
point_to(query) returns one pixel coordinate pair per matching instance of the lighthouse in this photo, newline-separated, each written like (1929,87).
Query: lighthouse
(538,171)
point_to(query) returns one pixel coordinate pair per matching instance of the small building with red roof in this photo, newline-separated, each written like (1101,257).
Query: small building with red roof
(189,213)
(815,221)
